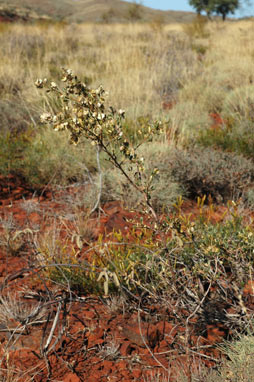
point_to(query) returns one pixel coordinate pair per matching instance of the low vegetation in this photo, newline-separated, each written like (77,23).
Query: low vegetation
(180,127)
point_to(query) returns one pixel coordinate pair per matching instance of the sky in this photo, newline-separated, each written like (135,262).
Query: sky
(183,5)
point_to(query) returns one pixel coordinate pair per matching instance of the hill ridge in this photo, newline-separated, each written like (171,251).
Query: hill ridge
(87,11)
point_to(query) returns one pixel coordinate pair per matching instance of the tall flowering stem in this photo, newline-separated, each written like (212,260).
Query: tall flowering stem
(83,114)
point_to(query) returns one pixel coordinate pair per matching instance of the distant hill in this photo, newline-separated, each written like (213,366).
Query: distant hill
(86,11)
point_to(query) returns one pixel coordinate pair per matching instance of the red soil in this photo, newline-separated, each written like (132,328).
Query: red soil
(96,338)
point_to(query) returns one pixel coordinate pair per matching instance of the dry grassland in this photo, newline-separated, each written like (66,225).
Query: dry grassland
(176,73)
(140,65)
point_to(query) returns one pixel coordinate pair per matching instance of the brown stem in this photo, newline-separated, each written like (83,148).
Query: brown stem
(118,165)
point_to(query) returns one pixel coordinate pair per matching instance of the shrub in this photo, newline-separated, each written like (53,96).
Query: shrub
(83,115)
(171,259)
(222,175)
(192,256)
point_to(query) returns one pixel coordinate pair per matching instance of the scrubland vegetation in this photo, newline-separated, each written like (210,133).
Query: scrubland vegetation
(181,75)
(197,81)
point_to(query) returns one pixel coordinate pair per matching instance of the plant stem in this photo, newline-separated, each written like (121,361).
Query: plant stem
(97,204)
(119,166)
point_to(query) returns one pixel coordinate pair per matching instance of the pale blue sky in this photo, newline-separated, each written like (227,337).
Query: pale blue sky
(183,5)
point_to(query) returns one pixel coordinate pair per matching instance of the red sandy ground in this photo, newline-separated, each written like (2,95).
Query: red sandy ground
(147,342)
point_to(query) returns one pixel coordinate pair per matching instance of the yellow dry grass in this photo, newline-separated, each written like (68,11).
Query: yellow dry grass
(140,65)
